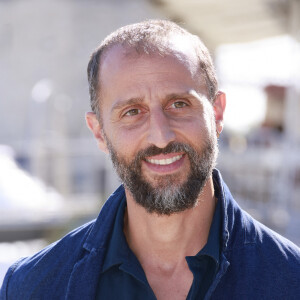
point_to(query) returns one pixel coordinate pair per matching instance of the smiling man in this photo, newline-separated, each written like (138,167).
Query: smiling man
(172,229)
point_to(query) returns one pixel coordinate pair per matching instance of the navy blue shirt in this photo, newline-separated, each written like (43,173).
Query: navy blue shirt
(122,276)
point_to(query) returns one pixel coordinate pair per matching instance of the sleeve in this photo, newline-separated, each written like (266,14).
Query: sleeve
(4,291)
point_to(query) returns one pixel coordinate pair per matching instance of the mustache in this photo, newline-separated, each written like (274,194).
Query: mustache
(170,148)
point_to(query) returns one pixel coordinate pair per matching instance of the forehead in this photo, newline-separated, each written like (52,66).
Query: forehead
(118,62)
(125,74)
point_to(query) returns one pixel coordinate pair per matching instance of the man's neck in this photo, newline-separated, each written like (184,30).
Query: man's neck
(165,241)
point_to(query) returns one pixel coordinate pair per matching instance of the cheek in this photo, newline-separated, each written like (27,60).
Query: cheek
(209,119)
(195,128)
(127,142)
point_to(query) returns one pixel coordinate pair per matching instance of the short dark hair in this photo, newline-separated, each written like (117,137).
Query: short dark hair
(148,37)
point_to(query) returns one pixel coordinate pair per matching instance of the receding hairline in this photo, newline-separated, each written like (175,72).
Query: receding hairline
(149,38)
(165,49)
(189,59)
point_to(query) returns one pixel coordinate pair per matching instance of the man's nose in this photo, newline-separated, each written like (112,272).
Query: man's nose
(160,132)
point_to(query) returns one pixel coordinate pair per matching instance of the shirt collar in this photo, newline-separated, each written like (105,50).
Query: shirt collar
(118,251)
(212,247)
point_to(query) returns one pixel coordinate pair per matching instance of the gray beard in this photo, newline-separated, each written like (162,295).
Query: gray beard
(167,197)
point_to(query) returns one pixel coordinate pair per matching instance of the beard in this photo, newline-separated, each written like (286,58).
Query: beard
(167,196)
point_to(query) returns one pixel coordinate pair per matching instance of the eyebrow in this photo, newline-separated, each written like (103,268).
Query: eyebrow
(122,103)
(188,94)
(173,96)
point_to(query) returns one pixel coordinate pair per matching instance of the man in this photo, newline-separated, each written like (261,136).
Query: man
(172,230)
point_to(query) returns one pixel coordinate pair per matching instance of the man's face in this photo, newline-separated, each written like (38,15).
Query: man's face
(159,128)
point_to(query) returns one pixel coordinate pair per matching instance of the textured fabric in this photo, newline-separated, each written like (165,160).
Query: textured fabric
(205,264)
(255,262)
(122,276)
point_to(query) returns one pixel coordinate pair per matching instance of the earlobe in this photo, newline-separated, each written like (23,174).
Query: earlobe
(93,124)
(219,109)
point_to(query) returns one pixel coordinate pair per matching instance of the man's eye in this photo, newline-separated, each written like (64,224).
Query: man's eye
(132,112)
(178,104)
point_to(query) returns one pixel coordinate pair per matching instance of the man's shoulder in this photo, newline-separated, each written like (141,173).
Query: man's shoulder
(48,272)
(258,236)
(256,256)
(244,231)
(60,255)
(249,234)
(259,251)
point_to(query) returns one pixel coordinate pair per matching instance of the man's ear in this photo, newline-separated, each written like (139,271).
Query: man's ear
(219,109)
(93,124)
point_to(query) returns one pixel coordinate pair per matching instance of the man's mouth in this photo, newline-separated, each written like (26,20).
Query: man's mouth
(165,161)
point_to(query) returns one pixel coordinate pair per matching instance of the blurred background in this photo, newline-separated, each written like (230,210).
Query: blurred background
(52,176)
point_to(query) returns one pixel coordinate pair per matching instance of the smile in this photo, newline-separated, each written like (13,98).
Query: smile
(164,162)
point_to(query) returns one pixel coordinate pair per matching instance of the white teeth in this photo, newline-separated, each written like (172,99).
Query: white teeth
(164,162)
